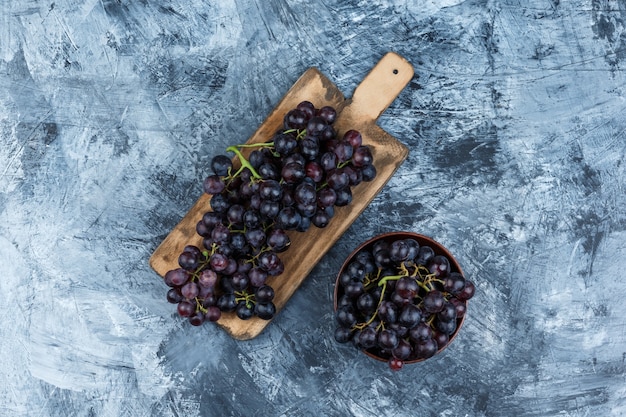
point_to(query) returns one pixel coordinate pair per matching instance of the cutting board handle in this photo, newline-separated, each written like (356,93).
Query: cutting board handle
(381,86)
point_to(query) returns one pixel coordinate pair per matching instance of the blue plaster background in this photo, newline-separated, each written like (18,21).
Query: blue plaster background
(111,109)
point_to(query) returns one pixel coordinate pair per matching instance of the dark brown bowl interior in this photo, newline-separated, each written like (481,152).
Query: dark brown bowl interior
(390,237)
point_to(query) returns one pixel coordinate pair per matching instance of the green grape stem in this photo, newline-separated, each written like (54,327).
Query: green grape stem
(244,162)
(244,296)
(361,326)
(199,306)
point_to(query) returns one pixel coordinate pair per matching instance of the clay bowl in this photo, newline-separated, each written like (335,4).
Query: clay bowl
(390,237)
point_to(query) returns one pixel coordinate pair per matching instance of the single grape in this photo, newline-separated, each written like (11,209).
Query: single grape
(257,157)
(356,270)
(410,316)
(353,137)
(255,237)
(425,349)
(345,317)
(439,266)
(186,308)
(213,313)
(387,339)
(197,318)
(174,296)
(234,215)
(368,338)
(454,283)
(257,276)
(320,219)
(240,281)
(270,190)
(264,293)
(433,301)
(328,113)
(202,229)
(355,176)
(251,219)
(305,193)
(269,209)
(221,164)
(293,173)
(213,184)
(265,311)
(211,219)
(231,267)
(188,261)
(218,262)
(424,255)
(388,312)
(447,327)
(368,172)
(395,364)
(343,334)
(448,312)
(288,218)
(314,170)
(326,197)
(307,108)
(244,311)
(407,287)
(295,119)
(316,126)
(414,248)
(219,203)
(344,151)
(328,134)
(366,303)
(399,251)
(329,161)
(362,156)
(278,240)
(403,350)
(354,289)
(337,179)
(189,290)
(460,306)
(420,332)
(270,262)
(309,147)
(284,143)
(441,339)
(268,171)
(468,291)
(227,302)
(176,277)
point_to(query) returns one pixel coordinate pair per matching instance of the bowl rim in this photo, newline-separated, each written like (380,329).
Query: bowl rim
(439,249)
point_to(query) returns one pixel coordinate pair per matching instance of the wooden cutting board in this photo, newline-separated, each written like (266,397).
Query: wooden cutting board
(369,100)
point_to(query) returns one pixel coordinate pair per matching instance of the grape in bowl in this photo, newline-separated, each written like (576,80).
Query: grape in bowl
(400,297)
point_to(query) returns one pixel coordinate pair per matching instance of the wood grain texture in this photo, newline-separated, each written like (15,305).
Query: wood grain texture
(370,99)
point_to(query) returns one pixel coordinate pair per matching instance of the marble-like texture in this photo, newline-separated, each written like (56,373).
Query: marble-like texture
(111,109)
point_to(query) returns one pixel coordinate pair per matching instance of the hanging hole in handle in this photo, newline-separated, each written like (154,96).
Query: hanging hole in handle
(395,71)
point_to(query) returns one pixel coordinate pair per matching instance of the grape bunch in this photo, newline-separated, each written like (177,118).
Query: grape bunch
(400,301)
(291,182)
